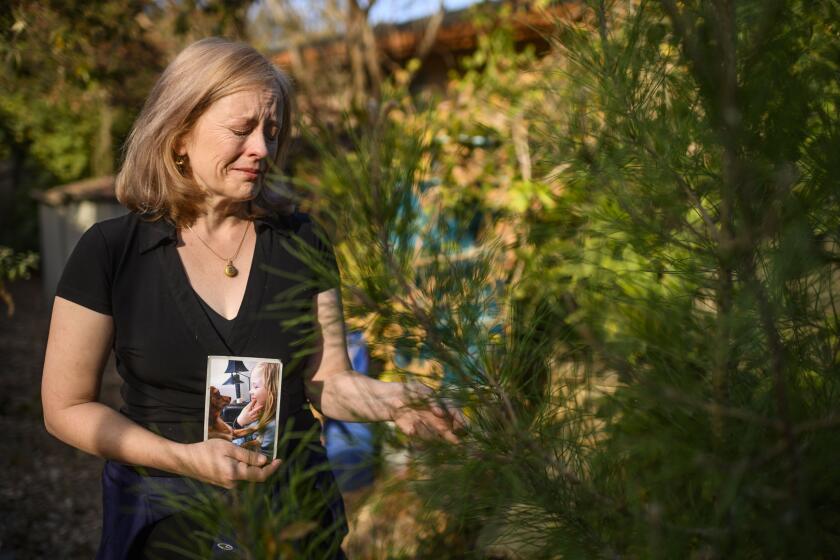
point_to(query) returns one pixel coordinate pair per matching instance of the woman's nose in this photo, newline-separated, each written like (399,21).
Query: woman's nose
(257,145)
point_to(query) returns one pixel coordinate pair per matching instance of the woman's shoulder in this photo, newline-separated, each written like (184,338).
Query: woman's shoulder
(117,226)
(94,263)
(295,224)
(131,227)
(105,234)
(113,240)
(289,221)
(131,221)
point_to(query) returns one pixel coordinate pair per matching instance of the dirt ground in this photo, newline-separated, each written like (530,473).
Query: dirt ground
(49,492)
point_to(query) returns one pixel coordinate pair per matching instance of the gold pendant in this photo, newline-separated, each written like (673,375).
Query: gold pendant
(230,270)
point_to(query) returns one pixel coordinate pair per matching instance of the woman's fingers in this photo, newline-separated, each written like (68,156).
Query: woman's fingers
(453,415)
(439,410)
(253,465)
(248,457)
(252,473)
(450,437)
(431,428)
(223,463)
(427,424)
(459,420)
(443,428)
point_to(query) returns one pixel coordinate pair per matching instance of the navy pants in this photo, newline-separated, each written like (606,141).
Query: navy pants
(139,513)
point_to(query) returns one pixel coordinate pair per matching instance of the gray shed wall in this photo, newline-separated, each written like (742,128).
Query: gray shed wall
(61,227)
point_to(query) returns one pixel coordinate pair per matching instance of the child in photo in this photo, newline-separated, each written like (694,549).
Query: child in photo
(257,423)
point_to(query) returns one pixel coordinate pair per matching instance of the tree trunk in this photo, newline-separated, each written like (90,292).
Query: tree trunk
(102,161)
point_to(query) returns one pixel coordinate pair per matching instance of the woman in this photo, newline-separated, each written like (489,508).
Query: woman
(257,421)
(184,276)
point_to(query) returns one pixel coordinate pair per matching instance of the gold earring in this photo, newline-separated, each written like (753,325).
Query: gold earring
(180,162)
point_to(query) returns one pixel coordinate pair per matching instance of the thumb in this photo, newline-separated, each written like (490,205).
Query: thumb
(439,411)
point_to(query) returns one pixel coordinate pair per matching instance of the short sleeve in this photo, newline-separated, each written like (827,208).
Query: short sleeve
(87,276)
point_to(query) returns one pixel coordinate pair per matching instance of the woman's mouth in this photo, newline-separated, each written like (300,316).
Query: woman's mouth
(251,174)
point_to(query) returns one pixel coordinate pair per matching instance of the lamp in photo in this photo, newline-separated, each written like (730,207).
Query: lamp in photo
(236,368)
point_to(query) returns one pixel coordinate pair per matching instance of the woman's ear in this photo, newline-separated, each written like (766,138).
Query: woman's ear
(180,145)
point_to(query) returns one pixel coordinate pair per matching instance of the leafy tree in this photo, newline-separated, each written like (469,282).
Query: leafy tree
(75,75)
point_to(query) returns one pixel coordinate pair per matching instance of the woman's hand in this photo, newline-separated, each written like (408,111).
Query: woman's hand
(418,414)
(222,463)
(338,392)
(251,413)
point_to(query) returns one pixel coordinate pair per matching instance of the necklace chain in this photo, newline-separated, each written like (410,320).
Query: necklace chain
(227,260)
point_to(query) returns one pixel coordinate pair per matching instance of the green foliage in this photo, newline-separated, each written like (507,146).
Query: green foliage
(70,72)
(57,139)
(75,75)
(646,337)
(702,270)
(13,266)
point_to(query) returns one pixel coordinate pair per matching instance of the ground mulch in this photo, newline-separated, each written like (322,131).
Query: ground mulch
(49,492)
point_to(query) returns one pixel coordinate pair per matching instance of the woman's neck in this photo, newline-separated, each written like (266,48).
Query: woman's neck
(222,216)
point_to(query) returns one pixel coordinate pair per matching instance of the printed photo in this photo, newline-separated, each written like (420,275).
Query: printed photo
(243,402)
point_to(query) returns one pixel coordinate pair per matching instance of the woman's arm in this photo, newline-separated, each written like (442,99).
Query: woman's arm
(343,394)
(78,345)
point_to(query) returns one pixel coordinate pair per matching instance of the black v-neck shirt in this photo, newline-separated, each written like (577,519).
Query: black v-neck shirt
(129,268)
(223,325)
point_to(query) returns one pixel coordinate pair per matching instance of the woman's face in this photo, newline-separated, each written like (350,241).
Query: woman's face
(258,391)
(229,146)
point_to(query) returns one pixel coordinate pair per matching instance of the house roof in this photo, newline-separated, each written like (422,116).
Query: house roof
(94,189)
(401,41)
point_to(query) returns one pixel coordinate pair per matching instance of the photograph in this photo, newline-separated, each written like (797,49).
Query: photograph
(242,402)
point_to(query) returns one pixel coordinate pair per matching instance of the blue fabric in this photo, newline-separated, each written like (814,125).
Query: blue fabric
(357,350)
(132,504)
(350,449)
(269,432)
(349,445)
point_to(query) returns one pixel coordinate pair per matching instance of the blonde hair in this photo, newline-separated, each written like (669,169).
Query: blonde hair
(271,380)
(149,181)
